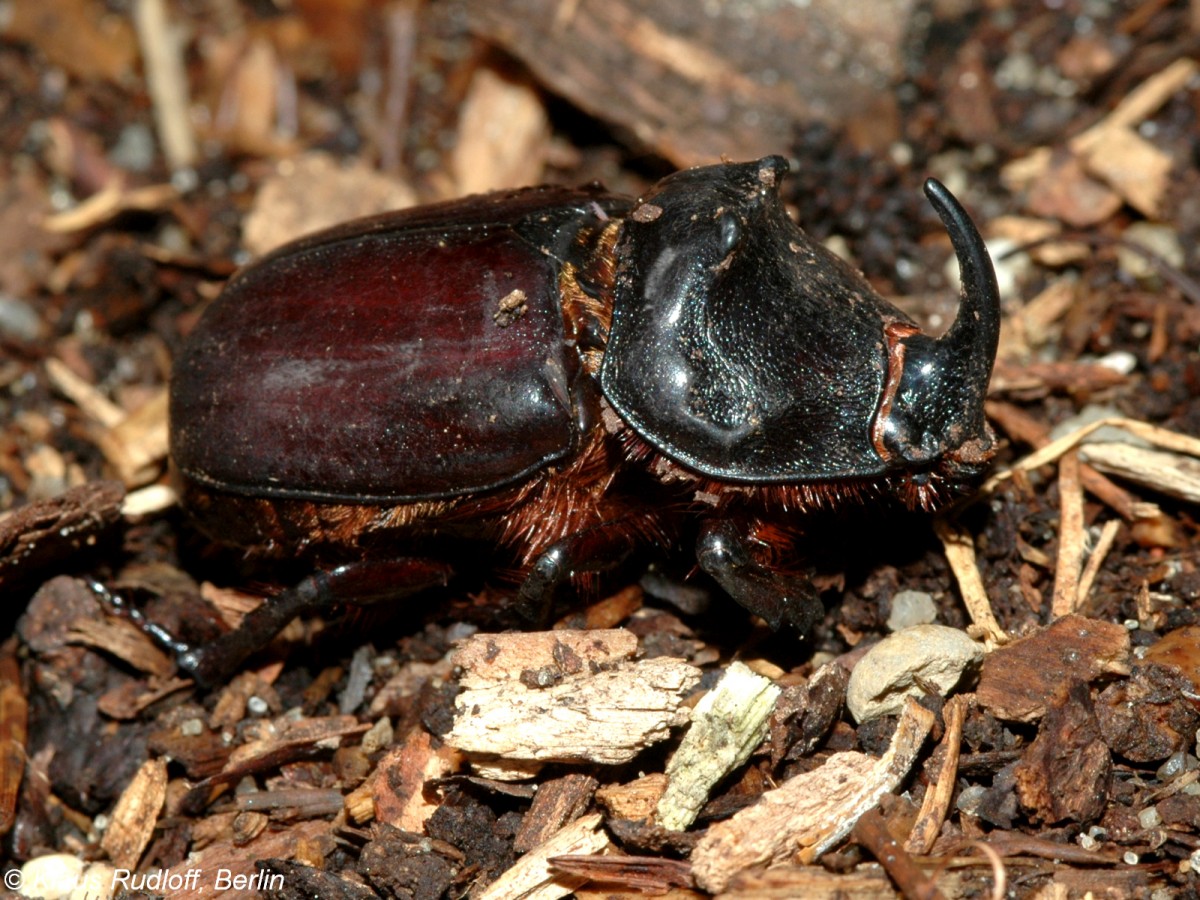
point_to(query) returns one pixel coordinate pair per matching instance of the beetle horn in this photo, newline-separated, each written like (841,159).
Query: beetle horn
(973,337)
(934,406)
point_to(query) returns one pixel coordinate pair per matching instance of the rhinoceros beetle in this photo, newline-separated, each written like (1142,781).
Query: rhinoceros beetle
(568,374)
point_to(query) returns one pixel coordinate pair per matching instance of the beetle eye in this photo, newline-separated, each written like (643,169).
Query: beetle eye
(730,232)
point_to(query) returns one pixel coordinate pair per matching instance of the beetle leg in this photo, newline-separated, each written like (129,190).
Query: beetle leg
(724,552)
(589,550)
(360,584)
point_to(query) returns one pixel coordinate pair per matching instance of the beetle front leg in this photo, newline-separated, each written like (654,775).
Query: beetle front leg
(724,551)
(590,550)
(359,584)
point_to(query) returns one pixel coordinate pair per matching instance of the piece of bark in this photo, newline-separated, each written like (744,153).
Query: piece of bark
(1018,681)
(555,804)
(125,641)
(281,742)
(607,717)
(36,537)
(136,814)
(805,713)
(217,865)
(14,722)
(397,788)
(1066,773)
(534,878)
(1149,716)
(728,724)
(810,813)
(638,875)
(701,82)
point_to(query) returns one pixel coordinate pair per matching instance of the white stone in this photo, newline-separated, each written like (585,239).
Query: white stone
(900,664)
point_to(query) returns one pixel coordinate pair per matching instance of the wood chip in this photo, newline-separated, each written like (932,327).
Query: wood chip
(679,75)
(397,789)
(1018,681)
(316,191)
(1168,473)
(125,641)
(1133,167)
(810,813)
(533,877)
(728,724)
(960,553)
(1104,543)
(636,800)
(607,717)
(137,445)
(556,803)
(1065,774)
(136,814)
(166,77)
(503,135)
(488,659)
(35,537)
(939,794)
(1071,537)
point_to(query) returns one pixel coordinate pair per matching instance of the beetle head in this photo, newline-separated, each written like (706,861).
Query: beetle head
(748,353)
(931,413)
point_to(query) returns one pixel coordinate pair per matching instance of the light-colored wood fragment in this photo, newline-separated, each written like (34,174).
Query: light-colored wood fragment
(960,553)
(315,190)
(503,135)
(1071,536)
(1163,438)
(605,717)
(938,795)
(812,812)
(1172,474)
(1133,167)
(154,498)
(635,800)
(137,445)
(91,402)
(487,659)
(728,723)
(108,202)
(1138,104)
(1104,543)
(135,815)
(166,77)
(532,877)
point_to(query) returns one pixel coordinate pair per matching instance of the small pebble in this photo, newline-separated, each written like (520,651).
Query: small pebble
(898,666)
(1149,818)
(51,877)
(911,608)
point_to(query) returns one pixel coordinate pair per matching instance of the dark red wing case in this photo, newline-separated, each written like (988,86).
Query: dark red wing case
(376,363)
